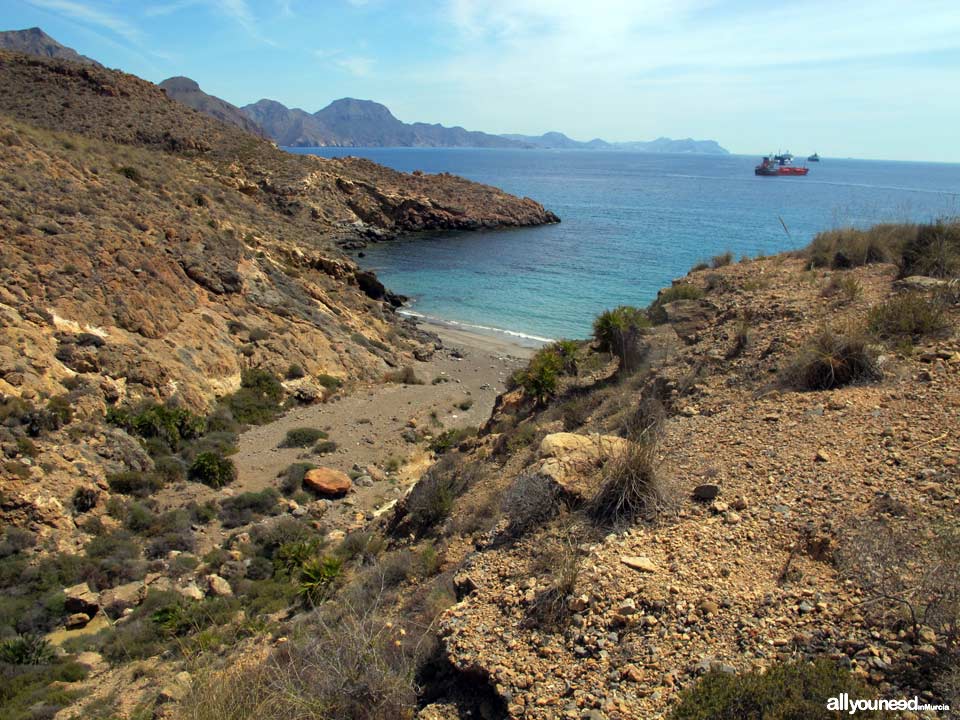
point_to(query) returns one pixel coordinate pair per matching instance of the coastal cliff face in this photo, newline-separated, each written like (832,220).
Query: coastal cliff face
(151,254)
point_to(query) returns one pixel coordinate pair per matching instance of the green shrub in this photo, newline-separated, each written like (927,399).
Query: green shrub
(908,318)
(406,376)
(115,558)
(615,329)
(295,372)
(29,649)
(258,399)
(541,378)
(316,578)
(449,439)
(213,470)
(431,500)
(325,447)
(832,359)
(329,381)
(134,482)
(131,173)
(57,413)
(171,425)
(302,437)
(784,692)
(245,507)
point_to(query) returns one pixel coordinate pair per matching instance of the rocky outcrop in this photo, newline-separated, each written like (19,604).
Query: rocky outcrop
(572,461)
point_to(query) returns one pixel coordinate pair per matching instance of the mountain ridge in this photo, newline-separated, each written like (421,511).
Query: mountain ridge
(34,41)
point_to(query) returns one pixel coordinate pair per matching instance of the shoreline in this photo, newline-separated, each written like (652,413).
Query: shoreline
(502,343)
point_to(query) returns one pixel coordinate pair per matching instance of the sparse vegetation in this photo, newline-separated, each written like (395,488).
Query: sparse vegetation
(404,376)
(787,690)
(531,500)
(258,399)
(907,318)
(449,439)
(213,470)
(134,482)
(722,260)
(618,331)
(832,359)
(680,291)
(632,486)
(843,286)
(245,507)
(302,437)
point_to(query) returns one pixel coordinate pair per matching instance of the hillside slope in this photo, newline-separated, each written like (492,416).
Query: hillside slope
(188,92)
(34,41)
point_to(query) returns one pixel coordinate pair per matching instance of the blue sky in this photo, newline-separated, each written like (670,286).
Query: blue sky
(869,80)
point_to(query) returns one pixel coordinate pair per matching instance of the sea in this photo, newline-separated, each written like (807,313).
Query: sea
(631,223)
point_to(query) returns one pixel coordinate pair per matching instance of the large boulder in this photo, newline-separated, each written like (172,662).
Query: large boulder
(81,599)
(115,600)
(327,482)
(572,461)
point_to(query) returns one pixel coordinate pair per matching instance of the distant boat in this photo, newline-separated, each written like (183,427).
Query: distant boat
(774,165)
(813,158)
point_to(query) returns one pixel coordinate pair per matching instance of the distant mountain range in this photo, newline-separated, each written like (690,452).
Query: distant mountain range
(35,41)
(559,141)
(359,123)
(347,122)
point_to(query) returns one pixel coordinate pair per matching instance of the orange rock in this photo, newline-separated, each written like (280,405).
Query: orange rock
(327,482)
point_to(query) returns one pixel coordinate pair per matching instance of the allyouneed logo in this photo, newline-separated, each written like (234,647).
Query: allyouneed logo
(843,703)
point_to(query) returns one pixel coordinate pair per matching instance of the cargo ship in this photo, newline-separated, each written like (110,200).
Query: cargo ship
(773,165)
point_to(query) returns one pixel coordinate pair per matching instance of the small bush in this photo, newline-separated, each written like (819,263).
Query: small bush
(844,286)
(934,251)
(329,381)
(171,425)
(85,499)
(908,318)
(292,478)
(848,247)
(531,500)
(245,507)
(131,173)
(213,470)
(135,483)
(832,359)
(406,376)
(550,607)
(783,692)
(258,399)
(295,372)
(449,439)
(431,499)
(681,291)
(719,261)
(632,487)
(617,331)
(29,649)
(316,578)
(325,447)
(302,437)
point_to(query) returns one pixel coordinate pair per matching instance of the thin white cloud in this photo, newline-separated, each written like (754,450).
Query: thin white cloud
(357,65)
(90,15)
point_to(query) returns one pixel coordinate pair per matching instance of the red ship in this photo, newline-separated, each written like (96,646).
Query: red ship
(779,165)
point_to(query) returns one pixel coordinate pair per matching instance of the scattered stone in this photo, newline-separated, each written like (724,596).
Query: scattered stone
(639,563)
(706,492)
(76,620)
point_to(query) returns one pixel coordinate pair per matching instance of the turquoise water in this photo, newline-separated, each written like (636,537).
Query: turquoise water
(631,223)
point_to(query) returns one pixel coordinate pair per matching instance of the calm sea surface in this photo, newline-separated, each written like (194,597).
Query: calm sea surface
(631,223)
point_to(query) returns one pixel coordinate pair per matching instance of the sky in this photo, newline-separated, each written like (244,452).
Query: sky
(860,79)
